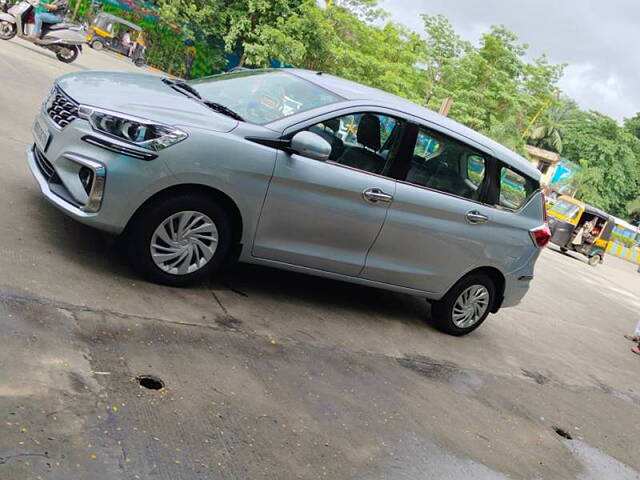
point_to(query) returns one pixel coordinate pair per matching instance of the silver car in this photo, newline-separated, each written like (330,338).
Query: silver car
(297,170)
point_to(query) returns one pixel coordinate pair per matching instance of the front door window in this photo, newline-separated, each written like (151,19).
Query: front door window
(364,141)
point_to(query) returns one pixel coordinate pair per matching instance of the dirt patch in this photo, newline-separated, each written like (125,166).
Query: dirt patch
(429,368)
(229,323)
(537,377)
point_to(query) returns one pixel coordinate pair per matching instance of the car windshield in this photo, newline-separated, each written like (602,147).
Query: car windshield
(566,209)
(263,96)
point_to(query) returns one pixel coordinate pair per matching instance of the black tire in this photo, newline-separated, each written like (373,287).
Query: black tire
(7,30)
(142,227)
(97,45)
(68,56)
(564,249)
(595,260)
(139,62)
(442,310)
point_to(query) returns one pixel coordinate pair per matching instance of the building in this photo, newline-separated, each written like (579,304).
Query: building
(543,160)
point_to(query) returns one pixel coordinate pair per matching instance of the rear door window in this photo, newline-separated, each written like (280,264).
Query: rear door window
(447,165)
(515,189)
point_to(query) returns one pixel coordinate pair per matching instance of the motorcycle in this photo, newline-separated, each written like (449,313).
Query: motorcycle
(63,39)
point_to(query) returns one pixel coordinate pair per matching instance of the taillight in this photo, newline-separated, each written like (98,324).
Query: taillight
(541,236)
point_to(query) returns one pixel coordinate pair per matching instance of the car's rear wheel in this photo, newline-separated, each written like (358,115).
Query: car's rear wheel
(179,240)
(466,305)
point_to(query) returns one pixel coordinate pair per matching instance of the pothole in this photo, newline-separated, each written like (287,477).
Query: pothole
(563,433)
(150,382)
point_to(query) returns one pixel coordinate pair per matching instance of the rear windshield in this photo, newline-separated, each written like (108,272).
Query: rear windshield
(566,209)
(263,96)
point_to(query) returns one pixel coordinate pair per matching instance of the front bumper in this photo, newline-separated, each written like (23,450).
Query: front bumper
(126,182)
(59,197)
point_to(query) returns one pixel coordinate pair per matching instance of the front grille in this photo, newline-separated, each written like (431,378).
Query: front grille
(61,108)
(44,165)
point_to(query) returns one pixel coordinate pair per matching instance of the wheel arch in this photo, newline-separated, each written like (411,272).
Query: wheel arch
(498,279)
(227,202)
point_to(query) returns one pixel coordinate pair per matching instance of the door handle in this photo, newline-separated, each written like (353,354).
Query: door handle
(476,217)
(375,195)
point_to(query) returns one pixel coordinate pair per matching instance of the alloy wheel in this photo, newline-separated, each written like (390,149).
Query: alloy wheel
(184,242)
(470,306)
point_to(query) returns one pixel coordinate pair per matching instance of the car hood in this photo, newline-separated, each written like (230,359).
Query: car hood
(144,96)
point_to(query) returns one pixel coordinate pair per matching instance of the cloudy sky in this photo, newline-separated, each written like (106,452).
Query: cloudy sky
(598,39)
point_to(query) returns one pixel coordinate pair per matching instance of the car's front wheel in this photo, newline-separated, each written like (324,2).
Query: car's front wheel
(179,240)
(466,305)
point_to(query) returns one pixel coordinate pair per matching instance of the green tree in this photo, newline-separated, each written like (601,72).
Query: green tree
(494,89)
(633,125)
(256,29)
(610,156)
(440,51)
(337,41)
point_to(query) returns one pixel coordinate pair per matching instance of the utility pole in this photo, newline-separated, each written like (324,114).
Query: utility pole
(544,106)
(445,107)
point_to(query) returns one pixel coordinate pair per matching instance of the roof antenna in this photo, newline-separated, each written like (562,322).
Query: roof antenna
(319,73)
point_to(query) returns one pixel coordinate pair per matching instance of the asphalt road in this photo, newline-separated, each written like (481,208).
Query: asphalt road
(276,375)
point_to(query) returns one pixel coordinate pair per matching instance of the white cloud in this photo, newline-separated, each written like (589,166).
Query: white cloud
(596,38)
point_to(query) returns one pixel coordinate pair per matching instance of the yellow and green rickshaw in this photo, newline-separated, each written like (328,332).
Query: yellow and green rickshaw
(119,35)
(581,228)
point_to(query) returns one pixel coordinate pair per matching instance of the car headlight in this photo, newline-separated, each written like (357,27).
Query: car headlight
(140,132)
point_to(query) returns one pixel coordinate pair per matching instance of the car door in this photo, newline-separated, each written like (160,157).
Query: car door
(438,227)
(326,215)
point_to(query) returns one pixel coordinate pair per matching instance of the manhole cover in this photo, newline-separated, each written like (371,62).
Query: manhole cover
(562,433)
(150,382)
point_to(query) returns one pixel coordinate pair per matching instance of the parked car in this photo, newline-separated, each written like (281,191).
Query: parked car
(297,170)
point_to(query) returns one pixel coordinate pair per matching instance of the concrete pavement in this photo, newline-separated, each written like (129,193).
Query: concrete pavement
(271,374)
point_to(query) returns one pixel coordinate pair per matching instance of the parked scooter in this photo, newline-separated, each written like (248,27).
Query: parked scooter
(63,39)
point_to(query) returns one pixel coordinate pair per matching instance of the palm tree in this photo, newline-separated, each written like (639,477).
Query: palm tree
(548,132)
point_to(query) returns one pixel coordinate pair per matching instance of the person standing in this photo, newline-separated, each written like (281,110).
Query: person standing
(51,13)
(190,57)
(636,339)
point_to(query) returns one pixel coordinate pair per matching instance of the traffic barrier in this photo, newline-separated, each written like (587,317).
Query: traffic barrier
(629,254)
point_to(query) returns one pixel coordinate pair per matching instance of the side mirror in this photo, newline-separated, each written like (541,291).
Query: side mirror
(311,145)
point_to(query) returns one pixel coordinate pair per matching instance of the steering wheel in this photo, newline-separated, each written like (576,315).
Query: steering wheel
(258,110)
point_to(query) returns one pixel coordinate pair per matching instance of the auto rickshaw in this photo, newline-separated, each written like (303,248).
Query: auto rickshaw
(119,35)
(581,228)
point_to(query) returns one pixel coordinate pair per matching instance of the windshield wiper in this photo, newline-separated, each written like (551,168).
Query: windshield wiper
(182,85)
(218,107)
